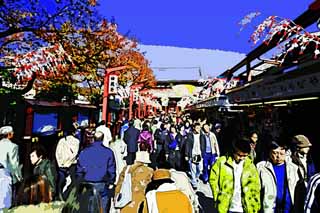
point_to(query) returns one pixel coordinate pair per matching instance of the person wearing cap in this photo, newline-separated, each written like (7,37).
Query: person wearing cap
(302,158)
(163,196)
(235,182)
(141,175)
(279,178)
(10,171)
(9,155)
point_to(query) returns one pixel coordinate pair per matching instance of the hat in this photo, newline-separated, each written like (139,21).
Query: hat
(6,130)
(301,141)
(160,174)
(143,157)
(217,125)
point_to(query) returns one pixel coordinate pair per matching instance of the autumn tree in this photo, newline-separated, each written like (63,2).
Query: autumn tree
(94,49)
(86,43)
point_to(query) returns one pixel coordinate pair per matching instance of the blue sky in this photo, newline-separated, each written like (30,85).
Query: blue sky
(205,24)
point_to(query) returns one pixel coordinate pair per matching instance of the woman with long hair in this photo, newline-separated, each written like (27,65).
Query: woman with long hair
(35,195)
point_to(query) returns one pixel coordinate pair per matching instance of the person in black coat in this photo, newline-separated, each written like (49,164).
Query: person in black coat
(131,136)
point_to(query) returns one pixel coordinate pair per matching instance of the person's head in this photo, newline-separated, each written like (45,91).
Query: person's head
(162,126)
(71,131)
(277,153)
(197,128)
(253,139)
(173,129)
(103,122)
(217,127)
(145,126)
(7,132)
(206,128)
(241,149)
(302,144)
(154,122)
(37,154)
(34,190)
(187,125)
(131,123)
(160,176)
(98,136)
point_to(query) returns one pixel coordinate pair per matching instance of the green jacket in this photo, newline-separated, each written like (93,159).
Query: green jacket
(47,169)
(222,185)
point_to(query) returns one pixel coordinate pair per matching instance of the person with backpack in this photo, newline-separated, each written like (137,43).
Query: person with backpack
(173,148)
(145,139)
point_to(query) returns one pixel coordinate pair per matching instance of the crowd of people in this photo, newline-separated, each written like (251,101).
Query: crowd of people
(156,165)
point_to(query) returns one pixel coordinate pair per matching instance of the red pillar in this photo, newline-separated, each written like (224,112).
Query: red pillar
(105,96)
(139,108)
(130,103)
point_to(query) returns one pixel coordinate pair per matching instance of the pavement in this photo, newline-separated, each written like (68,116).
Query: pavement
(205,198)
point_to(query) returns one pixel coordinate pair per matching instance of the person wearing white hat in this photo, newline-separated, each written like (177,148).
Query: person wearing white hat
(10,172)
(141,175)
(9,155)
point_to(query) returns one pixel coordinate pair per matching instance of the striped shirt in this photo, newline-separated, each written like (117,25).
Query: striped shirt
(312,194)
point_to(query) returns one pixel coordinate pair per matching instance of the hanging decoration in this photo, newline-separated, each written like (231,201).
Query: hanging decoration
(248,19)
(51,60)
(275,27)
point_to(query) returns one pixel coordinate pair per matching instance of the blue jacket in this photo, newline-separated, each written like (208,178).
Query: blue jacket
(131,136)
(97,164)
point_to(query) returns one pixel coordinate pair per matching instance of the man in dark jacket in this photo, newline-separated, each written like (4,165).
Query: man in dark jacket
(193,153)
(97,166)
(131,136)
(43,166)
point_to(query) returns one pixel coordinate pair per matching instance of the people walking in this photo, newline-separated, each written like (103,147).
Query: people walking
(66,155)
(9,166)
(43,166)
(209,151)
(302,158)
(96,166)
(107,137)
(145,141)
(141,175)
(235,182)
(131,136)
(173,148)
(312,201)
(278,180)
(193,153)
(9,155)
(163,196)
(34,195)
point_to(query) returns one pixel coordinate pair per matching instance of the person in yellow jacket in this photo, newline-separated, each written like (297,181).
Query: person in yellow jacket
(163,196)
(235,182)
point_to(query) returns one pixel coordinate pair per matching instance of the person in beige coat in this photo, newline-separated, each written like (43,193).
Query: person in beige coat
(141,176)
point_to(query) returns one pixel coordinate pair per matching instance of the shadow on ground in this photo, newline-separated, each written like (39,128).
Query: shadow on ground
(206,203)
